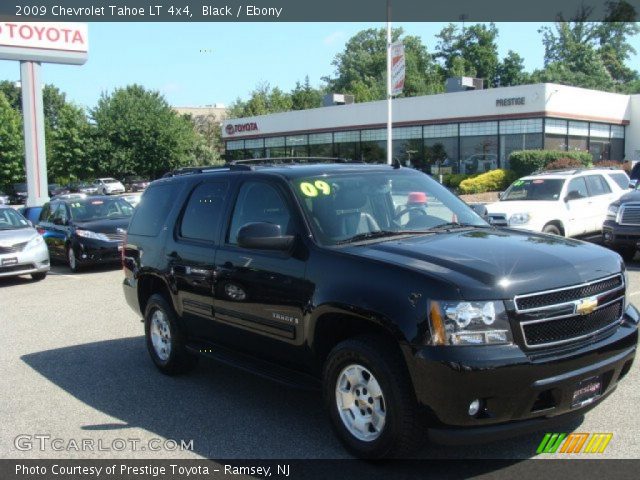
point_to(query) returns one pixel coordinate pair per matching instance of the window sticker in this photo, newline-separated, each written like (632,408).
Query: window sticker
(309,189)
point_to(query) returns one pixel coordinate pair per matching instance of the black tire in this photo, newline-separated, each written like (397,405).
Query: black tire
(551,229)
(179,359)
(37,277)
(402,431)
(627,253)
(74,266)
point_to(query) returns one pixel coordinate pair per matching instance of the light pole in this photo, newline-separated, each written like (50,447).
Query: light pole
(389,114)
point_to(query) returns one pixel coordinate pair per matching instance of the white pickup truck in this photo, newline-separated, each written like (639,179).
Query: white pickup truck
(567,202)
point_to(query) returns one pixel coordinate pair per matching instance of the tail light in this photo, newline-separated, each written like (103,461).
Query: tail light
(41,231)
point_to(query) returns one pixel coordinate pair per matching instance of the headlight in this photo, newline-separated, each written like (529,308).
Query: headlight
(469,323)
(519,218)
(34,242)
(612,212)
(92,235)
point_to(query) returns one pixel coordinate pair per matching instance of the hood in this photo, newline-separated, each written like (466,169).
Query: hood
(633,196)
(510,207)
(106,225)
(19,235)
(490,263)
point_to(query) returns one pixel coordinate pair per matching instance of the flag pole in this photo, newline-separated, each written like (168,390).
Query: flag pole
(389,115)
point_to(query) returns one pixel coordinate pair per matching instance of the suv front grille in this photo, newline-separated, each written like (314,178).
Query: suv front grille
(630,215)
(554,317)
(572,328)
(565,295)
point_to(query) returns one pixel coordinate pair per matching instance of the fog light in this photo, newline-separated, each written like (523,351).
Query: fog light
(474,407)
(607,236)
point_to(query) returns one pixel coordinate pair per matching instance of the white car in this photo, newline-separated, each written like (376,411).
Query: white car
(108,186)
(567,203)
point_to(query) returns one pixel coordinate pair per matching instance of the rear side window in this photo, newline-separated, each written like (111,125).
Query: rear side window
(151,213)
(203,214)
(577,188)
(621,179)
(597,185)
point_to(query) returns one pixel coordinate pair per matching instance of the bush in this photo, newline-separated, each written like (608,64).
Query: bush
(626,166)
(563,163)
(452,180)
(495,180)
(525,162)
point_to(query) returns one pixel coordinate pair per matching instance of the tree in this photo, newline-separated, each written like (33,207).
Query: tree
(137,132)
(612,36)
(262,101)
(361,67)
(11,143)
(470,51)
(12,93)
(511,71)
(68,145)
(305,96)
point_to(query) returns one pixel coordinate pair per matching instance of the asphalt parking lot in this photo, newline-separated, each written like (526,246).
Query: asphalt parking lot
(75,368)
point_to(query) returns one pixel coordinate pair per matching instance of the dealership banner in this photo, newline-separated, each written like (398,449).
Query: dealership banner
(312,11)
(397,68)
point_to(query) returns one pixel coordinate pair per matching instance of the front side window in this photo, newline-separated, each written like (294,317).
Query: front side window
(344,207)
(577,189)
(203,213)
(259,202)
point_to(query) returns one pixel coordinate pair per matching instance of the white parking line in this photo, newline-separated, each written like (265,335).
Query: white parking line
(634,293)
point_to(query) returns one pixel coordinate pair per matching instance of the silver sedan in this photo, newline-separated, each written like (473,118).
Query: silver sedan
(22,249)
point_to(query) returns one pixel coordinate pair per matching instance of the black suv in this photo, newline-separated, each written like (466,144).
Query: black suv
(621,228)
(415,316)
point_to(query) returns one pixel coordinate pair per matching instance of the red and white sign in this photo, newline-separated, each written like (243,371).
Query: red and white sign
(397,68)
(56,42)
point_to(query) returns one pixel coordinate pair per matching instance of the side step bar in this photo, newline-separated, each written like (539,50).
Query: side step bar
(263,368)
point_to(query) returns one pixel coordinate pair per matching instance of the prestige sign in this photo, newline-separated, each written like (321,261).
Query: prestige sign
(51,42)
(508,102)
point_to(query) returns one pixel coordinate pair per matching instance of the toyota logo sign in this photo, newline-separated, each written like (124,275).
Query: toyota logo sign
(241,127)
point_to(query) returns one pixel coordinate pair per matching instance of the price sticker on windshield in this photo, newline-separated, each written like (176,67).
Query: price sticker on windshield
(316,188)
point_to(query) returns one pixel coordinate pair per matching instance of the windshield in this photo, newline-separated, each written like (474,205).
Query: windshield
(11,220)
(109,180)
(345,207)
(99,209)
(534,189)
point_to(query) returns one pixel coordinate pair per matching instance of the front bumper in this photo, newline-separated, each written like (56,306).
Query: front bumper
(519,392)
(620,236)
(93,252)
(35,260)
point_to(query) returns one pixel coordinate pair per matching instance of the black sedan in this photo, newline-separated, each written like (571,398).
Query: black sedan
(135,184)
(85,231)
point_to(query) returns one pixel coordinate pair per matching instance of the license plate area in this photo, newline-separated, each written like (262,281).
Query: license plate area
(7,262)
(586,392)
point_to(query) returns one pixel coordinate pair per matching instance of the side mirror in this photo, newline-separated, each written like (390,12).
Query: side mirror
(264,236)
(480,209)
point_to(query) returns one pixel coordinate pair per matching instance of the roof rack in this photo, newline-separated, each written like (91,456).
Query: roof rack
(291,160)
(204,169)
(573,170)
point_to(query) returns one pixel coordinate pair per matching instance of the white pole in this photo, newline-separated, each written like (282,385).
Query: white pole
(389,115)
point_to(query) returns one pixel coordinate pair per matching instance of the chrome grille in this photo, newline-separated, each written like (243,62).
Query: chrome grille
(570,314)
(15,248)
(630,215)
(498,219)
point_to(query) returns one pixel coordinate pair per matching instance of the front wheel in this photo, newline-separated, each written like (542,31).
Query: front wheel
(72,260)
(370,399)
(165,341)
(551,230)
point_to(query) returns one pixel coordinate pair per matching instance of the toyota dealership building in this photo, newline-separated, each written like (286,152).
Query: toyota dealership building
(465,131)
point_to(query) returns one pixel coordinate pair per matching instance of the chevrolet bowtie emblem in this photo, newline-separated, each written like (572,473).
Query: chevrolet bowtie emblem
(586,306)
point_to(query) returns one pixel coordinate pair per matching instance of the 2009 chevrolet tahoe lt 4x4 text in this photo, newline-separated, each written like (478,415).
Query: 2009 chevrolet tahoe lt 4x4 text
(416,317)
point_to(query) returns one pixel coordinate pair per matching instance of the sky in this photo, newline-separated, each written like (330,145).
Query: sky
(196,64)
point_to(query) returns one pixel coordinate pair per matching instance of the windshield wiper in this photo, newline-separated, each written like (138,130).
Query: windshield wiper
(371,235)
(452,225)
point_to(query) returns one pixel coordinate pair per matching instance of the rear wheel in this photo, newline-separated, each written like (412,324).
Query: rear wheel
(551,229)
(370,399)
(165,341)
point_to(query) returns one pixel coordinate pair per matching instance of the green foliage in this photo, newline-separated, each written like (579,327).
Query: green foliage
(136,131)
(563,163)
(361,68)
(511,71)
(262,101)
(68,144)
(12,93)
(493,181)
(525,162)
(304,96)
(453,180)
(11,143)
